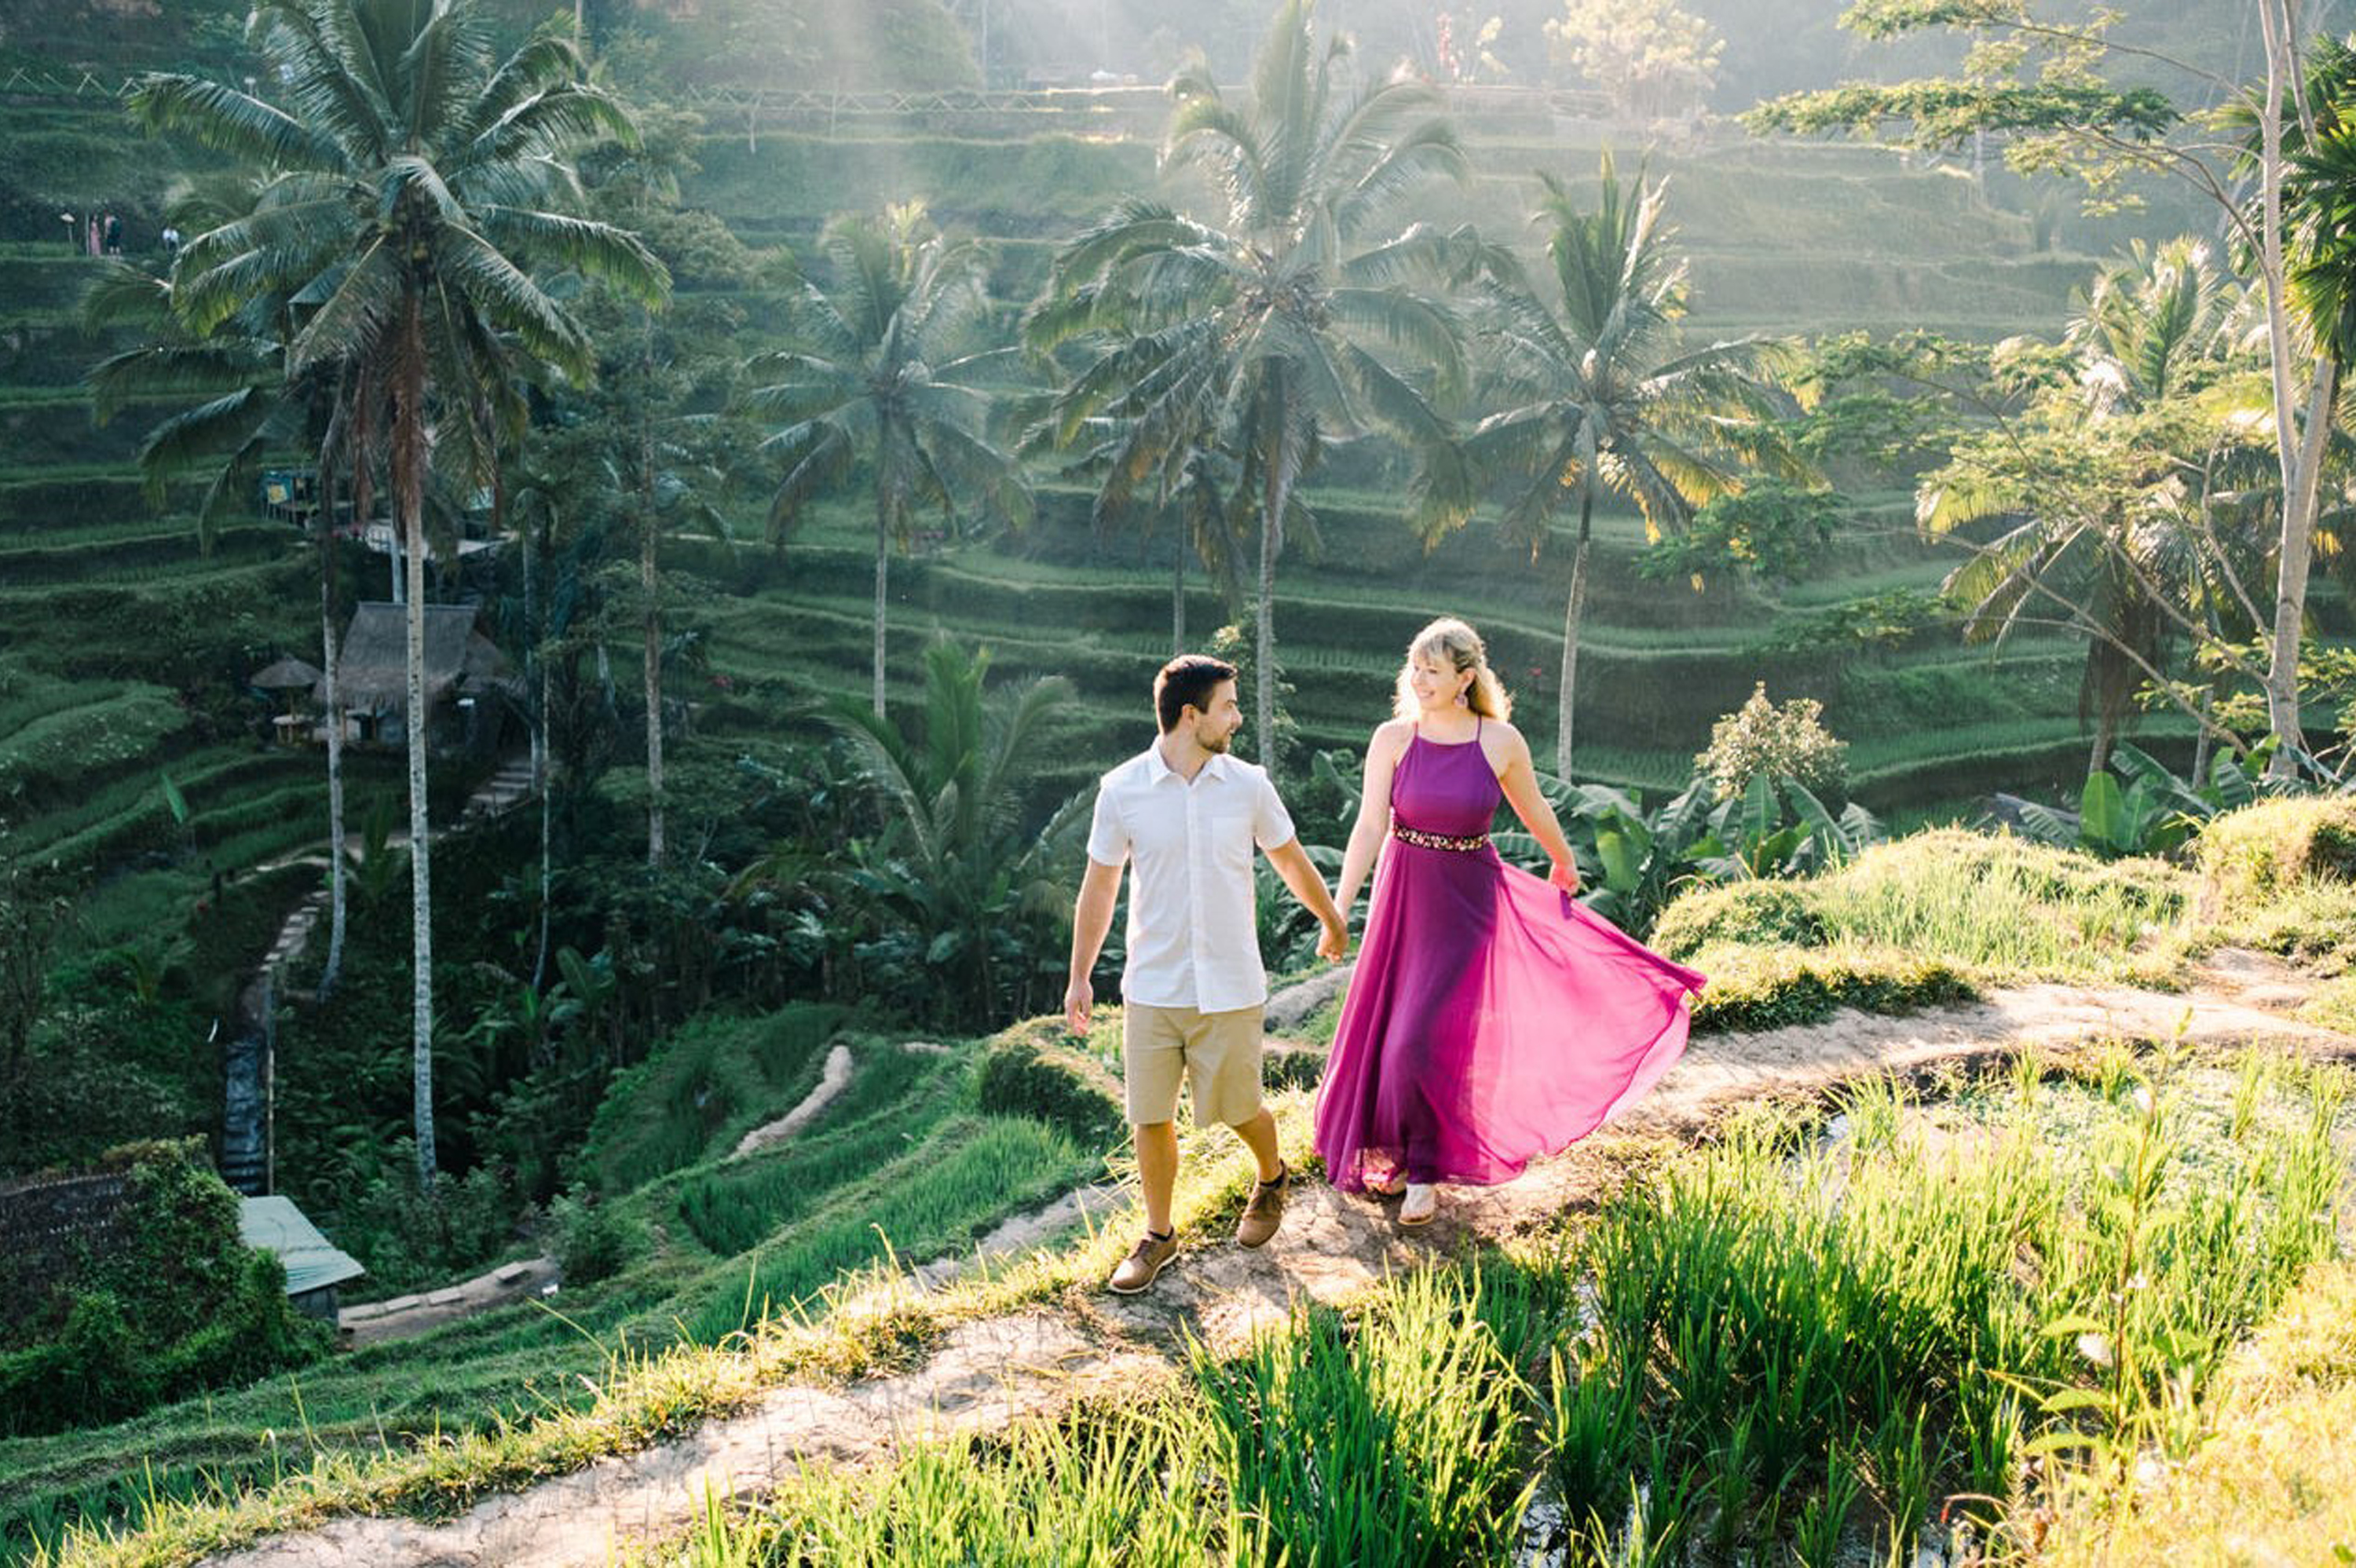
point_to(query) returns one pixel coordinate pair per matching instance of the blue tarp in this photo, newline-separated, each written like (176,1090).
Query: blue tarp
(312,1260)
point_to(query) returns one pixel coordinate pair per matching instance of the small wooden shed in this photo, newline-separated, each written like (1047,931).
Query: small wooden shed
(315,1267)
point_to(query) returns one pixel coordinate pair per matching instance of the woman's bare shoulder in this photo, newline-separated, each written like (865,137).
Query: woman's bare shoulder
(1502,742)
(1391,734)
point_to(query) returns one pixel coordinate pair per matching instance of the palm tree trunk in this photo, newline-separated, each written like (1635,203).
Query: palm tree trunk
(654,608)
(536,698)
(1178,598)
(883,572)
(2294,446)
(409,495)
(1276,493)
(2200,747)
(1572,615)
(331,694)
(1264,641)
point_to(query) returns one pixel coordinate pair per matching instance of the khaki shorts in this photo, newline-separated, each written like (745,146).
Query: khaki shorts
(1217,1053)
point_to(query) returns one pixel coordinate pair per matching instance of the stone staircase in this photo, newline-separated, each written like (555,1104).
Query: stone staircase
(244,1160)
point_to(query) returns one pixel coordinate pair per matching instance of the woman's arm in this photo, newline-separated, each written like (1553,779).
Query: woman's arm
(1520,779)
(1373,821)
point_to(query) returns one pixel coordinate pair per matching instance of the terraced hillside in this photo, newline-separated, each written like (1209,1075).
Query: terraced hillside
(1784,238)
(122,647)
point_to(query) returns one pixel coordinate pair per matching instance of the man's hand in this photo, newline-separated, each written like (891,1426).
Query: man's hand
(1079,1002)
(1334,945)
(1565,876)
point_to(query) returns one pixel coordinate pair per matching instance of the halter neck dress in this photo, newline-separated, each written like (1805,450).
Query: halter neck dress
(1492,1018)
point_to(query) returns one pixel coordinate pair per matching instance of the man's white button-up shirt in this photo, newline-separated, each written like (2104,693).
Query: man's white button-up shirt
(1192,939)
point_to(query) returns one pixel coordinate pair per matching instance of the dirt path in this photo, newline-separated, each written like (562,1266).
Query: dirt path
(374,1322)
(1332,1247)
(833,1079)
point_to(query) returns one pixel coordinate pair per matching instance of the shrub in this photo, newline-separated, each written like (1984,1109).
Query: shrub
(406,1237)
(176,1305)
(2266,849)
(1026,1074)
(1751,990)
(1789,742)
(588,1241)
(1747,914)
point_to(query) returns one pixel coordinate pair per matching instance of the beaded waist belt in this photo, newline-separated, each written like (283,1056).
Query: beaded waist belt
(1423,840)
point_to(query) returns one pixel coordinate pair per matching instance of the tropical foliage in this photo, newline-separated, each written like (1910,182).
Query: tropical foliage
(1596,393)
(1258,338)
(895,365)
(413,180)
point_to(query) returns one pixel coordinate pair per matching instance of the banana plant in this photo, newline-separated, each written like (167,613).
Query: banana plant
(1631,862)
(2146,809)
(1778,827)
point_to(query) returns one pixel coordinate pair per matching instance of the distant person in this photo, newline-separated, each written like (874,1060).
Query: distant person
(113,235)
(90,242)
(1189,814)
(171,240)
(1492,1018)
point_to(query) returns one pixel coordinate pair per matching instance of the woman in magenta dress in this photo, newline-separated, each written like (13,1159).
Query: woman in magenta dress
(1492,1018)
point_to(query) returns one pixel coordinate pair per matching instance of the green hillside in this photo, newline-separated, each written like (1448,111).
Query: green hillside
(1783,239)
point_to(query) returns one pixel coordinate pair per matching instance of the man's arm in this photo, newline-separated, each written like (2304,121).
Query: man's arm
(1091,920)
(1291,863)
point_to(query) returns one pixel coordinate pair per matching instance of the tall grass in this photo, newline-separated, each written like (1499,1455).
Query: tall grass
(955,1183)
(731,1208)
(1816,1342)
(1989,905)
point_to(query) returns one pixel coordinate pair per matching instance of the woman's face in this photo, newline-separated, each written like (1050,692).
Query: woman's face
(1437,682)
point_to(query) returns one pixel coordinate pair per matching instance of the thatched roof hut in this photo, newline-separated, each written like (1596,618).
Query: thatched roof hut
(374,668)
(288,674)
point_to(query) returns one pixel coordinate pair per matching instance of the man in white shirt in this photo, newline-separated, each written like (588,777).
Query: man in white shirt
(1189,815)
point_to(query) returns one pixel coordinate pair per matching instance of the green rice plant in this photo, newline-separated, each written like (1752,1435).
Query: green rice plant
(712,1077)
(1103,1484)
(1823,1519)
(936,1197)
(1395,1439)
(736,1206)
(1989,1416)
(2071,1290)
(1590,1431)
(1903,1465)
(1733,1466)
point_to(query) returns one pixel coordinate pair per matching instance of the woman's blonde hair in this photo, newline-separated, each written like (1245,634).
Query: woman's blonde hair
(1451,644)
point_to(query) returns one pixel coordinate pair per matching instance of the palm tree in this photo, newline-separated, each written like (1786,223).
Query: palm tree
(2318,188)
(1194,487)
(893,364)
(1599,394)
(955,862)
(414,180)
(1265,330)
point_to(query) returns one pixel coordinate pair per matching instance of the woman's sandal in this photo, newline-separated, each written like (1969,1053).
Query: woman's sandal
(1391,1188)
(1422,1203)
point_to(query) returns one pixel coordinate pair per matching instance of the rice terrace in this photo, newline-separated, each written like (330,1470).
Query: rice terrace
(1281,781)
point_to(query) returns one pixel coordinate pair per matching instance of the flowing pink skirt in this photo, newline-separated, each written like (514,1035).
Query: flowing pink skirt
(1493,1020)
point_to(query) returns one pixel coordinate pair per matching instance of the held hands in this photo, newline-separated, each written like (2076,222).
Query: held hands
(1333,945)
(1079,1003)
(1565,876)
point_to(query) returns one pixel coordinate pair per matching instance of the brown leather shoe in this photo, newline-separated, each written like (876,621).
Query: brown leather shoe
(1264,1213)
(1145,1260)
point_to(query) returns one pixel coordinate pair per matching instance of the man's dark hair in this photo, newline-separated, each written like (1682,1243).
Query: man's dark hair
(1188,680)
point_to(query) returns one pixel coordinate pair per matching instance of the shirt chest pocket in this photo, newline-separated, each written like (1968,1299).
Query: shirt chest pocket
(1226,828)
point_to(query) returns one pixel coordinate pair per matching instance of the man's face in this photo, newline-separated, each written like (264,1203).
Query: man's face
(1215,728)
